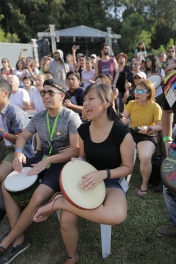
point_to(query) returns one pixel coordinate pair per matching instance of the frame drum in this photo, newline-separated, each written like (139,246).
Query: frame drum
(70,180)
(20,186)
(156,79)
(168,173)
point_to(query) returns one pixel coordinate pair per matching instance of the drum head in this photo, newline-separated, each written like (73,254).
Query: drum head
(155,79)
(70,179)
(19,181)
(168,172)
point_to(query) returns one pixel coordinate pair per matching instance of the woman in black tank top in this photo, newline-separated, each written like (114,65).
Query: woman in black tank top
(105,142)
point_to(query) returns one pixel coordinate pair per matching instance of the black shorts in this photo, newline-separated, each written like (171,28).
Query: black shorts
(49,177)
(138,137)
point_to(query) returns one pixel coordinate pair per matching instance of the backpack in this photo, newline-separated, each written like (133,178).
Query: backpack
(155,176)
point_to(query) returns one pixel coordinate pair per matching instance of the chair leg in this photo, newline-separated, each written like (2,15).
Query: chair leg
(106,240)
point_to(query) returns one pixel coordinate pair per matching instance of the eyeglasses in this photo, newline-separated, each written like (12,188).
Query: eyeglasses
(28,60)
(4,61)
(140,91)
(169,51)
(135,64)
(49,92)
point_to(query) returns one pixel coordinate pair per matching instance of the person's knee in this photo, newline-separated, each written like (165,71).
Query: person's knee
(68,220)
(144,159)
(119,217)
(5,169)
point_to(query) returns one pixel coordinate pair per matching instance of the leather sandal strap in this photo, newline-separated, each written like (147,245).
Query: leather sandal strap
(72,256)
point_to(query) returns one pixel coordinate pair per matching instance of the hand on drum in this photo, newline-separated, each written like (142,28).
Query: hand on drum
(144,129)
(91,180)
(18,161)
(38,167)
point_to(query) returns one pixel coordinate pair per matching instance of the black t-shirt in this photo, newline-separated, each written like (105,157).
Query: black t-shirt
(129,77)
(166,106)
(76,96)
(107,153)
(121,80)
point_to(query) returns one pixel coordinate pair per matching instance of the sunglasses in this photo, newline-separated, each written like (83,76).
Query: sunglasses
(4,61)
(140,91)
(49,92)
(171,51)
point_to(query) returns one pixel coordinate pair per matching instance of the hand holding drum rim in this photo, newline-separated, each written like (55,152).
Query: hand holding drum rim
(92,179)
(18,161)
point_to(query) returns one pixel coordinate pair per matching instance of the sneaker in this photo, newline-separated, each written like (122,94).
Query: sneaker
(13,252)
(4,235)
(166,230)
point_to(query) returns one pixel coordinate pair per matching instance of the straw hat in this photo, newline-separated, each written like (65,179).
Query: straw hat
(122,54)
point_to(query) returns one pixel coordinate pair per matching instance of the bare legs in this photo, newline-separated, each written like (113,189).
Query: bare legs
(146,150)
(19,222)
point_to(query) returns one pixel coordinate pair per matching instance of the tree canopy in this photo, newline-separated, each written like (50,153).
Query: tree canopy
(151,21)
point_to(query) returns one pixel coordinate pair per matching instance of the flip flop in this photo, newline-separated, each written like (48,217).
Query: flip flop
(51,200)
(143,192)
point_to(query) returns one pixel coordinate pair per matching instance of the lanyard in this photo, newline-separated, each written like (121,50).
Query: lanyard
(51,132)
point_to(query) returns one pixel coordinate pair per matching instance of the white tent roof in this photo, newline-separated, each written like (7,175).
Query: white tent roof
(83,31)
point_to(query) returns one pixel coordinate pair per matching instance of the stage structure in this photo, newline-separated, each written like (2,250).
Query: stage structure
(79,35)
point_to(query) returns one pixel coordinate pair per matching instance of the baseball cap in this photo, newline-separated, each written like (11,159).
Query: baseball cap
(93,56)
(79,55)
(55,85)
(140,74)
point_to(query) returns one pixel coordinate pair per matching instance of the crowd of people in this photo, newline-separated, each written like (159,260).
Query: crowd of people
(75,106)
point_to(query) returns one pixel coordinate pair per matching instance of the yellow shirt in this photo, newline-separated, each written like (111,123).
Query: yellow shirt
(146,115)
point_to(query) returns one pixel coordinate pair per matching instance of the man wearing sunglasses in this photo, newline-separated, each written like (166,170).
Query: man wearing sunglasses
(57,130)
(170,63)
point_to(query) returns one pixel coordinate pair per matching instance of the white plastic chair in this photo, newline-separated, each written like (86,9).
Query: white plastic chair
(105,229)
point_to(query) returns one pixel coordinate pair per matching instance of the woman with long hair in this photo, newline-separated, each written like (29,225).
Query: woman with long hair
(6,69)
(107,144)
(140,52)
(19,71)
(145,121)
(31,69)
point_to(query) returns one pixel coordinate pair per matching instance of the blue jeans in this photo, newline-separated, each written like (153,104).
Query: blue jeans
(171,206)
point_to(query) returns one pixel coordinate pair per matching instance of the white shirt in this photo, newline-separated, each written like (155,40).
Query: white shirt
(19,97)
(31,91)
(36,99)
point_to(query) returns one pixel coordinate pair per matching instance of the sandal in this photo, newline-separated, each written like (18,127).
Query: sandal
(77,260)
(142,192)
(2,251)
(50,201)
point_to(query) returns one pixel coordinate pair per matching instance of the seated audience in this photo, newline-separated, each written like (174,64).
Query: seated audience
(145,121)
(36,99)
(18,96)
(6,69)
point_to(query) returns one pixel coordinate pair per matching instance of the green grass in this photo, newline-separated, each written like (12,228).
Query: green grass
(133,242)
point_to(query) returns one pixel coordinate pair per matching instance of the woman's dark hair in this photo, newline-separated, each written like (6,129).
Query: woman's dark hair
(143,48)
(155,63)
(29,78)
(75,73)
(106,95)
(24,64)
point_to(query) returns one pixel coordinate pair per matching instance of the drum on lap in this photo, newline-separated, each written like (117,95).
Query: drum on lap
(20,186)
(70,180)
(168,174)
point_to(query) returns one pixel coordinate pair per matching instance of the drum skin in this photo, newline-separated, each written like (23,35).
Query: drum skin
(168,172)
(20,186)
(156,79)
(70,184)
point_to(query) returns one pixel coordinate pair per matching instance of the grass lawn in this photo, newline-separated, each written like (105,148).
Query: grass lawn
(133,242)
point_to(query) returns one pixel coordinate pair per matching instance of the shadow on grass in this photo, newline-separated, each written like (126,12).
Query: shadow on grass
(133,242)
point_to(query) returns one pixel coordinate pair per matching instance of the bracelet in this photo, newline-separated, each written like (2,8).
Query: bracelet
(149,129)
(108,173)
(5,135)
(114,82)
(18,150)
(167,138)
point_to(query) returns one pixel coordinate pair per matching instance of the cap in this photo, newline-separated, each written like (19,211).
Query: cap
(79,55)
(93,56)
(55,85)
(140,74)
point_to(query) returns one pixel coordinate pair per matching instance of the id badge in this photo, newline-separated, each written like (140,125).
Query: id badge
(44,157)
(171,97)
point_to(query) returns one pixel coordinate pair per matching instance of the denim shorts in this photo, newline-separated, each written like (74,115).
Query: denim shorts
(113,183)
